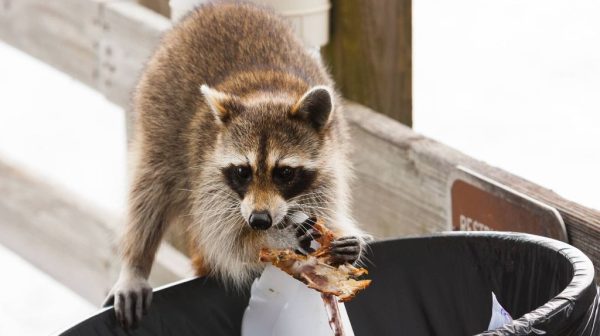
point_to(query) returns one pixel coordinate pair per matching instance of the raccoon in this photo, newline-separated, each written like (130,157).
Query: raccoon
(238,128)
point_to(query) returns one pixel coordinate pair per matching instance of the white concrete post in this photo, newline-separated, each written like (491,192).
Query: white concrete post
(309,18)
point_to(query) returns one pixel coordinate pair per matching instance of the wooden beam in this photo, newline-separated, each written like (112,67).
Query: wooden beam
(62,33)
(402,183)
(121,63)
(370,54)
(91,40)
(71,242)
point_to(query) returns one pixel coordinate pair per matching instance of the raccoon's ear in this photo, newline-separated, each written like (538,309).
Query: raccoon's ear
(224,106)
(315,106)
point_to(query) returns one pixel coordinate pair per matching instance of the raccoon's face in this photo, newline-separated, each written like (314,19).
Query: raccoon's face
(270,152)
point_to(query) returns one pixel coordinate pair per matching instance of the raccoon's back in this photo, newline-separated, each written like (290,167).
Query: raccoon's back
(215,42)
(229,38)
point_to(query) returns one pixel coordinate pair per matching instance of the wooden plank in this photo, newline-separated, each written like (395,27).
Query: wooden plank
(402,182)
(90,40)
(62,33)
(370,54)
(71,242)
(56,235)
(130,34)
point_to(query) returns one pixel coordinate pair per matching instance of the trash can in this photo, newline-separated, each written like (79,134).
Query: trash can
(434,285)
(442,285)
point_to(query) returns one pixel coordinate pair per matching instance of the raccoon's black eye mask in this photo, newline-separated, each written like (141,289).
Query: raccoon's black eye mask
(290,181)
(238,178)
(284,175)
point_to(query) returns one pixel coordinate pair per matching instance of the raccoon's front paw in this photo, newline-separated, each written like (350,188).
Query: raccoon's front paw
(346,250)
(306,233)
(131,297)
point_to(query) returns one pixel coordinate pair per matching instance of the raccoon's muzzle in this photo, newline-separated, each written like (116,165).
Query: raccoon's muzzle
(260,220)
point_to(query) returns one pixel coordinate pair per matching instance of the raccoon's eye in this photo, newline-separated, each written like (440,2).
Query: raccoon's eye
(243,173)
(237,178)
(284,174)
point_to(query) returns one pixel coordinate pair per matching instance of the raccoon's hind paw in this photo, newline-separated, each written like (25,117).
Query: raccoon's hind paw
(345,250)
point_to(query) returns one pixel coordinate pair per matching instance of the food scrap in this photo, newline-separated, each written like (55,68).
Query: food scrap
(315,269)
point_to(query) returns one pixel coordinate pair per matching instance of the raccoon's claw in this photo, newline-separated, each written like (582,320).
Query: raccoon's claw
(306,233)
(345,250)
(131,300)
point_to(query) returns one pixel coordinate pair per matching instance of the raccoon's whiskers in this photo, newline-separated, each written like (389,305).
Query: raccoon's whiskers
(209,211)
(315,206)
(215,211)
(315,194)
(363,260)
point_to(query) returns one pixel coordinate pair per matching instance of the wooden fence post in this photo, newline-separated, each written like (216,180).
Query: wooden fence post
(370,54)
(159,6)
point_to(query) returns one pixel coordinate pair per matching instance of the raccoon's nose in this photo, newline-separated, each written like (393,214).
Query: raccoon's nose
(260,220)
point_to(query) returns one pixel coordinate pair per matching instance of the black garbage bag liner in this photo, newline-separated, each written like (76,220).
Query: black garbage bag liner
(442,285)
(435,285)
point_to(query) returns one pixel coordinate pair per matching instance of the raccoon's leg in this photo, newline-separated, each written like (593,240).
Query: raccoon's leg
(198,262)
(150,202)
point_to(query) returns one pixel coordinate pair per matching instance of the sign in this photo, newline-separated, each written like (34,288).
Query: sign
(478,203)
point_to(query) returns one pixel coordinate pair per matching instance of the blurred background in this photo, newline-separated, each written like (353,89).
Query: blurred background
(512,83)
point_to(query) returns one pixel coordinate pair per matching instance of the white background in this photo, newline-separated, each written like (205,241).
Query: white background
(516,84)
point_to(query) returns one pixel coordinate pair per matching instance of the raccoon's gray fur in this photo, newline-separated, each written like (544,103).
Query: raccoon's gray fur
(236,123)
